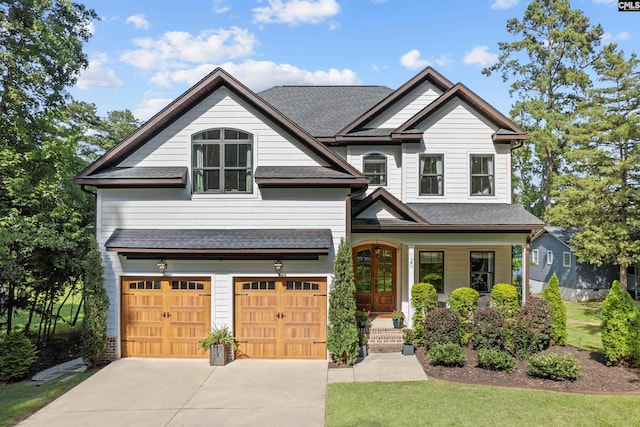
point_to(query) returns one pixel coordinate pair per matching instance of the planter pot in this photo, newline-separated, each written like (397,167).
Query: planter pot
(221,354)
(408,349)
(363,351)
(362,323)
(397,323)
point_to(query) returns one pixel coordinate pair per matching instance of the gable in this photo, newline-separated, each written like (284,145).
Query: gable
(379,210)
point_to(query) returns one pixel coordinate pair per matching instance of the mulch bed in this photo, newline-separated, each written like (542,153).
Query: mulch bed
(596,376)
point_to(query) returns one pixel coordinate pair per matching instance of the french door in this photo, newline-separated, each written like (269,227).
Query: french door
(375,277)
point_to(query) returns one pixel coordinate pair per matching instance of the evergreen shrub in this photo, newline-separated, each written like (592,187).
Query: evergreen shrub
(504,298)
(488,326)
(464,301)
(17,354)
(424,298)
(447,355)
(554,366)
(552,294)
(442,326)
(495,360)
(96,303)
(620,327)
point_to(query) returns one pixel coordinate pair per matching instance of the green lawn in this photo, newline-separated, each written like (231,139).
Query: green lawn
(19,400)
(583,325)
(440,403)
(67,312)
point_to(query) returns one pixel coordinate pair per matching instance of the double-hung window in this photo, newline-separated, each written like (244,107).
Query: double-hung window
(222,161)
(431,175)
(482,270)
(432,269)
(482,175)
(375,168)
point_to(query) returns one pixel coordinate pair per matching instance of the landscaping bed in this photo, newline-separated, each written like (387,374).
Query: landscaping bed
(596,376)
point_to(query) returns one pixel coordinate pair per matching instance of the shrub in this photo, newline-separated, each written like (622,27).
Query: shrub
(552,294)
(554,366)
(424,298)
(442,326)
(96,303)
(530,332)
(495,360)
(488,325)
(504,298)
(342,334)
(620,325)
(464,301)
(447,355)
(17,354)
(408,336)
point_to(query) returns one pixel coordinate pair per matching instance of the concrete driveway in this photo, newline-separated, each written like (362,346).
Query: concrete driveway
(170,392)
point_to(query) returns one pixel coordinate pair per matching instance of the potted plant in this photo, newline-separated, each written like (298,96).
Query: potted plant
(398,319)
(362,318)
(407,338)
(221,345)
(362,342)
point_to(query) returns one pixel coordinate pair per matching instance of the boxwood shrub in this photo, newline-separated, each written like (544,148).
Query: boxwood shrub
(464,301)
(447,355)
(554,366)
(495,360)
(17,354)
(487,331)
(441,326)
(504,298)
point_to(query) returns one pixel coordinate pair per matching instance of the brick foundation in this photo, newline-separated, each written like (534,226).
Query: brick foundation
(384,340)
(111,353)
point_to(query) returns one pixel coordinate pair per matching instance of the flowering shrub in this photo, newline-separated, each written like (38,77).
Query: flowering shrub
(530,332)
(397,315)
(488,325)
(441,326)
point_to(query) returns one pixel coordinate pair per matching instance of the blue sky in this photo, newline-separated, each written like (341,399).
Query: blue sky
(144,53)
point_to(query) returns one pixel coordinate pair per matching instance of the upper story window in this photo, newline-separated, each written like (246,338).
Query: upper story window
(482,175)
(432,175)
(222,161)
(375,168)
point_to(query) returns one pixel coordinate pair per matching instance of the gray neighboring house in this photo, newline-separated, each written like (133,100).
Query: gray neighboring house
(551,253)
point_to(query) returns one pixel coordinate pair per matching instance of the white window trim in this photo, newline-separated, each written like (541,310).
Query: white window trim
(549,257)
(535,257)
(435,196)
(566,255)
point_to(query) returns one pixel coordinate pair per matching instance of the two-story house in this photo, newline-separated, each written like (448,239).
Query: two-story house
(227,208)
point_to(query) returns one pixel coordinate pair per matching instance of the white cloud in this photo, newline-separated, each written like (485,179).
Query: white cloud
(97,75)
(480,55)
(138,21)
(607,37)
(294,12)
(149,107)
(260,75)
(220,6)
(177,49)
(413,61)
(503,4)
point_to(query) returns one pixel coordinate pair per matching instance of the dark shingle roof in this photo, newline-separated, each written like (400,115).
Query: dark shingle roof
(474,214)
(299,172)
(564,234)
(324,110)
(220,239)
(141,173)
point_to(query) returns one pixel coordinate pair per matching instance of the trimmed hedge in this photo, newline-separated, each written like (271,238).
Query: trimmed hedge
(495,360)
(464,301)
(504,298)
(441,326)
(447,355)
(424,299)
(554,366)
(488,326)
(17,354)
(552,294)
(620,327)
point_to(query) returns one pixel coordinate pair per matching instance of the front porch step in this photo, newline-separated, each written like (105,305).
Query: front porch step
(384,340)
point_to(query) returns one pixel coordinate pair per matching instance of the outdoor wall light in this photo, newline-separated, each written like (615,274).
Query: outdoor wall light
(162,266)
(277,266)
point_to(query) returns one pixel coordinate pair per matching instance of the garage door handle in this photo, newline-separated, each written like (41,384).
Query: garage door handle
(166,314)
(280,316)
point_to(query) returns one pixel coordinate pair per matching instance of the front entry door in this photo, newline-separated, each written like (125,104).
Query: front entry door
(375,277)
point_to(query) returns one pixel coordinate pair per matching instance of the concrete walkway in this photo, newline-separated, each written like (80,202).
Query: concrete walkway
(173,392)
(380,367)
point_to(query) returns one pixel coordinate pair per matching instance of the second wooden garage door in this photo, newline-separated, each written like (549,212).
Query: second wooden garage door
(281,318)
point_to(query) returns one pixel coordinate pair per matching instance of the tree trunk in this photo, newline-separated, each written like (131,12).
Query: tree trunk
(623,277)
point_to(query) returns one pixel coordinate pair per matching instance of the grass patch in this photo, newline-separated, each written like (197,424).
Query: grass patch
(583,325)
(435,402)
(67,313)
(19,400)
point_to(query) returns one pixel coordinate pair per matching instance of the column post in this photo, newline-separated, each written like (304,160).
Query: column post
(410,280)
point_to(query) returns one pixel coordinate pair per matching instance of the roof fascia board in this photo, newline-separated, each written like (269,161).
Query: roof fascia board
(132,183)
(413,228)
(428,74)
(391,201)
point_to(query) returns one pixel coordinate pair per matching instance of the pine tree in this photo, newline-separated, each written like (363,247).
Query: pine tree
(558,311)
(342,336)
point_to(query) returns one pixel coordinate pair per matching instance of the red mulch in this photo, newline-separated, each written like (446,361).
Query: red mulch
(596,376)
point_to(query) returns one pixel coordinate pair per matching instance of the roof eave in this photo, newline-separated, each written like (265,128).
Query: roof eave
(412,228)
(311,182)
(131,183)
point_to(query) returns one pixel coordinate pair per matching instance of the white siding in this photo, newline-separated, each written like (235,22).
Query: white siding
(406,107)
(457,132)
(378,210)
(355,156)
(172,146)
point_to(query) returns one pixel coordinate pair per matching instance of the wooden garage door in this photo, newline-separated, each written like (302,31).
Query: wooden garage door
(165,317)
(283,318)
